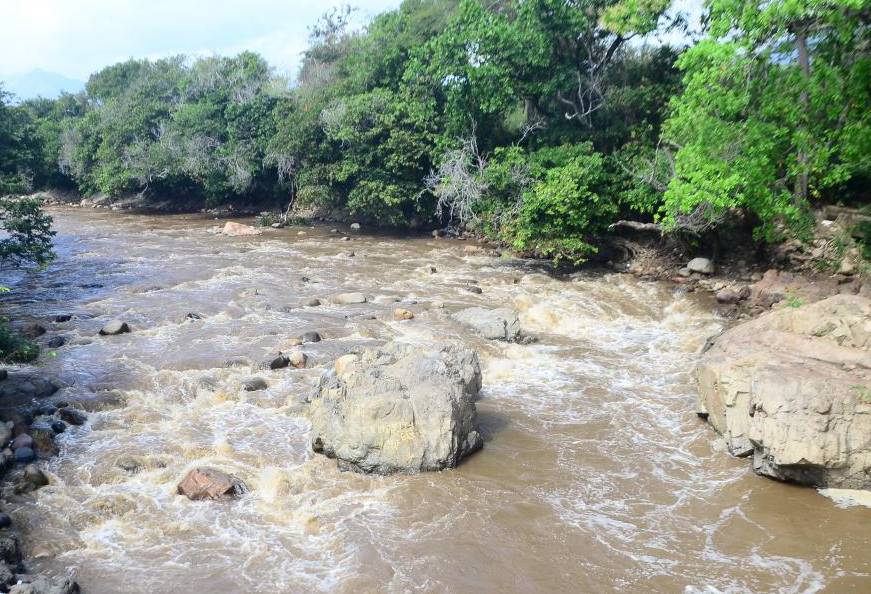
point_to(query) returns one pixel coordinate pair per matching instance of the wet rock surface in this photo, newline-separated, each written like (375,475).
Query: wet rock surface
(792,389)
(492,324)
(210,483)
(399,408)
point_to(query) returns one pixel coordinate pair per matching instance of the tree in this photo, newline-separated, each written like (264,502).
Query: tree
(775,111)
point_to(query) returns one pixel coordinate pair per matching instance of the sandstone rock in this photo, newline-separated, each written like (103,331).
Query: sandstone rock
(297,359)
(792,389)
(701,265)
(232,229)
(399,408)
(400,314)
(115,327)
(492,324)
(210,483)
(349,298)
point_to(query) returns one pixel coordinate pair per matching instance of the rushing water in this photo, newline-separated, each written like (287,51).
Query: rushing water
(596,475)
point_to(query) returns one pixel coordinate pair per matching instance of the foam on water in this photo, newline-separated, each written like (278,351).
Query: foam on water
(596,475)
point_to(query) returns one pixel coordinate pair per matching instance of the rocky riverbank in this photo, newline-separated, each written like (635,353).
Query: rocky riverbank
(30,419)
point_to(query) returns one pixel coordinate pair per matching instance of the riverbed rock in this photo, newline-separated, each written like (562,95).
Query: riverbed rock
(297,359)
(24,455)
(33,479)
(43,439)
(45,585)
(210,483)
(793,389)
(400,314)
(25,386)
(56,342)
(700,265)
(309,337)
(399,408)
(253,384)
(232,229)
(493,324)
(22,441)
(73,416)
(115,327)
(349,298)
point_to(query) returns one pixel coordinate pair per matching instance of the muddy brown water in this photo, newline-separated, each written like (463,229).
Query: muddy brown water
(596,475)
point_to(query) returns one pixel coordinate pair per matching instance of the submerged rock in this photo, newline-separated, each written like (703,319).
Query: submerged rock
(492,324)
(44,585)
(210,483)
(793,389)
(349,298)
(400,314)
(72,416)
(232,229)
(115,327)
(253,384)
(399,408)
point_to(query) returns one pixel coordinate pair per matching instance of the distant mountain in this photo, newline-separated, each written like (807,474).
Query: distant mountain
(40,83)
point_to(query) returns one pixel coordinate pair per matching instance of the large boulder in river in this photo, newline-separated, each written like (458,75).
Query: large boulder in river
(210,483)
(493,324)
(399,408)
(232,229)
(793,389)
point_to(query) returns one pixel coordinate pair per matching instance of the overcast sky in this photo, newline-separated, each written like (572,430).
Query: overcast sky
(78,37)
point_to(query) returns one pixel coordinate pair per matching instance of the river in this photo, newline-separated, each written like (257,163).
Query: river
(596,475)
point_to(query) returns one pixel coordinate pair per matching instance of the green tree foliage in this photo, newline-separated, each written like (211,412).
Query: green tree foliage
(539,122)
(774,112)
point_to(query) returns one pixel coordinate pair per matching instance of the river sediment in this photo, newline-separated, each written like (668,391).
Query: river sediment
(596,474)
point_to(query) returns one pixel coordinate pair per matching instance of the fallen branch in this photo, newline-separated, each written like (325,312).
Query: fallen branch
(637,226)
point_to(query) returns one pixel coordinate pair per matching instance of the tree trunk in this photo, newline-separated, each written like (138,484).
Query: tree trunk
(801,180)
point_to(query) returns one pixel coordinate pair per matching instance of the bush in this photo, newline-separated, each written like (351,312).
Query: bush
(563,211)
(15,348)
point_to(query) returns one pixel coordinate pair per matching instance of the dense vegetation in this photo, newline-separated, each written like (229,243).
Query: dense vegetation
(538,122)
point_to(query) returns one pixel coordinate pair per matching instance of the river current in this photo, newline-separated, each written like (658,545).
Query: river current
(596,475)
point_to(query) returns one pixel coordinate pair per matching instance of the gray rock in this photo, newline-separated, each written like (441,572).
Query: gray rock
(701,265)
(60,318)
(10,552)
(309,337)
(349,298)
(492,324)
(7,576)
(56,342)
(45,585)
(32,480)
(114,327)
(253,384)
(24,455)
(355,226)
(315,302)
(399,408)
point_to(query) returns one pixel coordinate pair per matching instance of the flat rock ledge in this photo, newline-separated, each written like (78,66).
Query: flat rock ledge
(400,408)
(792,389)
